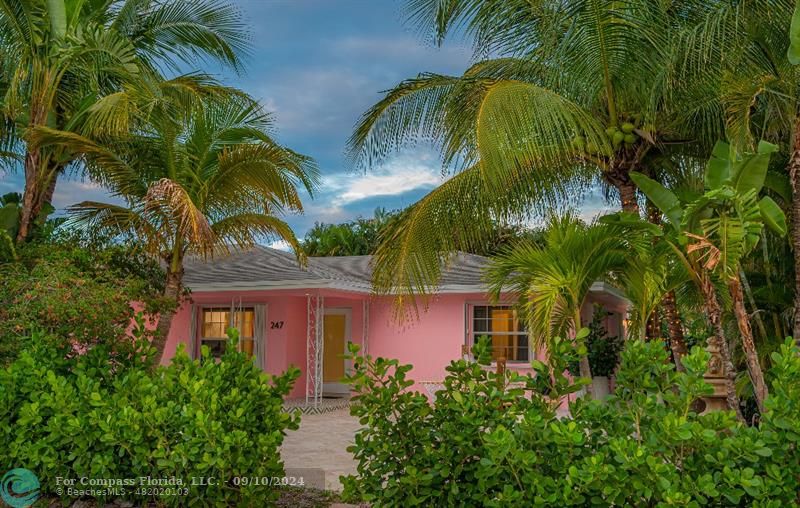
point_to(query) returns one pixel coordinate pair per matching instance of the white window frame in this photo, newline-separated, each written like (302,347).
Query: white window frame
(470,333)
(227,308)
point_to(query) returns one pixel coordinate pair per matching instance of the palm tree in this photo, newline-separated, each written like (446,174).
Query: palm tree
(553,280)
(650,276)
(746,61)
(354,238)
(568,103)
(198,179)
(61,60)
(718,229)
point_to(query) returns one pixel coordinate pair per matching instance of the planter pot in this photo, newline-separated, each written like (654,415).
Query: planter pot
(600,387)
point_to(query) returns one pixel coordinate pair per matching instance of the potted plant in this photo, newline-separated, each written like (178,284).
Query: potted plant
(603,353)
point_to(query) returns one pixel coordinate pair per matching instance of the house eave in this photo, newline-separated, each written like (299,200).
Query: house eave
(274,285)
(604,287)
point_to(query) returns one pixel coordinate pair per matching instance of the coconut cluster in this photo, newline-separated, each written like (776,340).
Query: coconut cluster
(624,135)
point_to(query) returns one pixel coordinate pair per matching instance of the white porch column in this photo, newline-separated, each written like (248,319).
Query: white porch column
(315,330)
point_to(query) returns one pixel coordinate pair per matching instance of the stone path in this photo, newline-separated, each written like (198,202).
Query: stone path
(321,442)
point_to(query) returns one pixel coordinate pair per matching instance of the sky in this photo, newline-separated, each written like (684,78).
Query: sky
(318,65)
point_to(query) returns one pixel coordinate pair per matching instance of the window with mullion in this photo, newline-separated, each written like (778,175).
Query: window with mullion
(506,330)
(214,326)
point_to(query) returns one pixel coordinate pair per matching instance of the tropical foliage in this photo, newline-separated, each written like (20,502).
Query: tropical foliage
(602,349)
(567,103)
(739,64)
(199,177)
(85,417)
(63,65)
(498,440)
(716,230)
(363,236)
(355,238)
(74,295)
(553,281)
(562,96)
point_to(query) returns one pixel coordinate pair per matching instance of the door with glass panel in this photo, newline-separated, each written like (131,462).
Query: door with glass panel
(336,336)
(216,320)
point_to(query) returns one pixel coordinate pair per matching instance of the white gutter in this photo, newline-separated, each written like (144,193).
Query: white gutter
(274,285)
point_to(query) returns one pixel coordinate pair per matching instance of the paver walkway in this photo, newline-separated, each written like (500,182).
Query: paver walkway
(321,442)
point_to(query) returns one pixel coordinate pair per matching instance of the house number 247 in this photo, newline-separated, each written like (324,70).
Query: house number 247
(276,325)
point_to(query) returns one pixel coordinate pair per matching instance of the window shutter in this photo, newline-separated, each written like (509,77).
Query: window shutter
(192,346)
(259,336)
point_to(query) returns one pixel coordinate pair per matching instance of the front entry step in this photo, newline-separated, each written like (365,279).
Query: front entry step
(325,405)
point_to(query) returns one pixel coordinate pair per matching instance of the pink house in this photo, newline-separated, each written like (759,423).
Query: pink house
(288,315)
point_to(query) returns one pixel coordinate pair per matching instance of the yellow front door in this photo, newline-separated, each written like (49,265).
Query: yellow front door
(335,326)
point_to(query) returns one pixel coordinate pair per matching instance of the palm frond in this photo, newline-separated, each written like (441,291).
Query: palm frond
(186,31)
(520,125)
(552,281)
(247,229)
(169,200)
(114,221)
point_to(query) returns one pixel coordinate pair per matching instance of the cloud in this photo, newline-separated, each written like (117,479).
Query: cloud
(397,177)
(323,100)
(72,191)
(280,245)
(594,204)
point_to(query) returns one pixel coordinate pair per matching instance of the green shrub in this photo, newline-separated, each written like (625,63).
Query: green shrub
(84,417)
(489,441)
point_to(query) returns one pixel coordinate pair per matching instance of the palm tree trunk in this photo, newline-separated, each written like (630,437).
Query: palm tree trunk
(627,194)
(752,301)
(714,314)
(50,189)
(794,176)
(31,194)
(653,326)
(172,291)
(40,180)
(677,341)
(41,193)
(749,347)
(583,364)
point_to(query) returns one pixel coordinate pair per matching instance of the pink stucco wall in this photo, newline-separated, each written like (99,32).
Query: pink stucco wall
(429,343)
(285,346)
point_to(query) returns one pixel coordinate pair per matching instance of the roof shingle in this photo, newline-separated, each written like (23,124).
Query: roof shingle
(264,268)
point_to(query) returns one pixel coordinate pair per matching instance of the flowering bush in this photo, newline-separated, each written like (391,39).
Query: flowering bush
(496,441)
(74,297)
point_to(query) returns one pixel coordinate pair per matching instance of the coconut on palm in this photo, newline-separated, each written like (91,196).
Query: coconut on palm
(579,142)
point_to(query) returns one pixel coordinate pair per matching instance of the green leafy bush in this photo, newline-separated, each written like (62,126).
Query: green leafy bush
(85,417)
(491,441)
